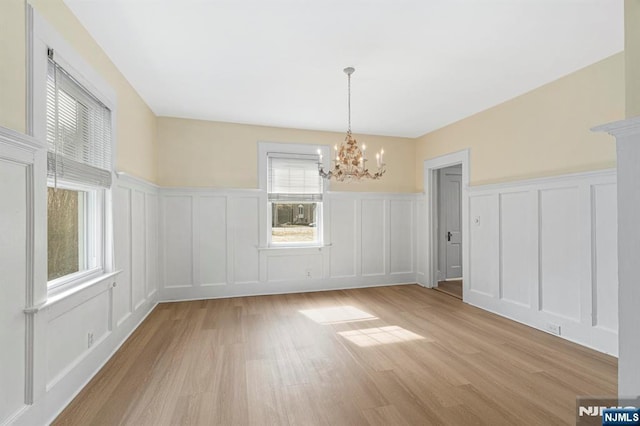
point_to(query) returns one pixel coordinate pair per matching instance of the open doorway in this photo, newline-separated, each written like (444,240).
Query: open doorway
(446,185)
(449,230)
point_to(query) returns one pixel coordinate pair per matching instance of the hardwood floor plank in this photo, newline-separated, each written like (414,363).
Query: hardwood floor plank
(384,416)
(385,355)
(413,407)
(301,406)
(264,395)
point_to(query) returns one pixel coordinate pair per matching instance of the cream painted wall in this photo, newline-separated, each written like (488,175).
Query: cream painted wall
(541,133)
(12,65)
(136,123)
(632,56)
(224,155)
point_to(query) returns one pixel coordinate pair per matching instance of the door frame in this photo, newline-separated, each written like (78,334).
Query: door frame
(431,167)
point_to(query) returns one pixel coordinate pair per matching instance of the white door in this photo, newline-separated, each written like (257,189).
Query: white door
(452,229)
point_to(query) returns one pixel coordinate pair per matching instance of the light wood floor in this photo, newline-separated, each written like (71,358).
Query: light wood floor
(452,288)
(379,356)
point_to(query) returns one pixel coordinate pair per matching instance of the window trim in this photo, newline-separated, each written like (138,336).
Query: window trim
(264,148)
(41,36)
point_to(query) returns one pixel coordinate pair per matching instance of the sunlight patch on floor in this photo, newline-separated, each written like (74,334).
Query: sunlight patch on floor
(337,315)
(379,336)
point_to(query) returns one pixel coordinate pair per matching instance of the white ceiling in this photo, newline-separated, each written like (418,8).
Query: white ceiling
(420,64)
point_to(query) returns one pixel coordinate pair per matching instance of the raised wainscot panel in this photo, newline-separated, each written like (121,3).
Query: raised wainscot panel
(421,226)
(560,252)
(373,237)
(294,267)
(343,238)
(178,240)
(138,248)
(69,338)
(484,242)
(605,253)
(401,238)
(212,239)
(152,225)
(122,302)
(244,224)
(13,229)
(516,239)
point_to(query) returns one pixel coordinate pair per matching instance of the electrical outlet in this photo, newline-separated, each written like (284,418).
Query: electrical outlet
(89,340)
(553,328)
(308,272)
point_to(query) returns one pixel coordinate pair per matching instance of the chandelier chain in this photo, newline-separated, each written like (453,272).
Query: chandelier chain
(349,101)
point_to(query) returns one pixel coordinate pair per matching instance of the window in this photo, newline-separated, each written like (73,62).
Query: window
(294,193)
(78,133)
(72,226)
(289,228)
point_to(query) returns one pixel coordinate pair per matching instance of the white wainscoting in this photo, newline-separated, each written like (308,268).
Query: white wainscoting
(109,312)
(22,160)
(46,358)
(544,252)
(211,244)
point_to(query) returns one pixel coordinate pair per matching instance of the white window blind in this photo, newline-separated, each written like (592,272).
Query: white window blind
(293,178)
(78,131)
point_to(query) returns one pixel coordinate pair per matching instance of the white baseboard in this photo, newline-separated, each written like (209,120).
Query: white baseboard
(281,287)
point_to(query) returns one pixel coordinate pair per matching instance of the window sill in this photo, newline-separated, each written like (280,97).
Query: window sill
(56,297)
(301,247)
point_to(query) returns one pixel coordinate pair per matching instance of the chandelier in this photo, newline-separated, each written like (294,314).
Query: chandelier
(350,161)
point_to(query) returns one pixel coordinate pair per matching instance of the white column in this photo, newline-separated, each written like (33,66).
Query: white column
(627,133)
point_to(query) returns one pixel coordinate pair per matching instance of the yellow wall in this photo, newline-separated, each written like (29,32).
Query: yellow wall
(136,123)
(224,155)
(12,65)
(632,56)
(541,133)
